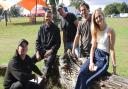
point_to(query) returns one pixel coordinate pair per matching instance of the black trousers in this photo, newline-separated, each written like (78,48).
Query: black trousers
(49,62)
(29,85)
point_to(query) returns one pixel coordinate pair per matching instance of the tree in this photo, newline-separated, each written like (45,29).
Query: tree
(15,11)
(121,7)
(76,3)
(53,4)
(1,10)
(116,8)
(111,9)
(124,8)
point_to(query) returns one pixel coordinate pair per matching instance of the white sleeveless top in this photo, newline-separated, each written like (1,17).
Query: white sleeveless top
(103,40)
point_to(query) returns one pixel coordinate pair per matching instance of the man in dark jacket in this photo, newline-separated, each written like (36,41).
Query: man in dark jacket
(48,41)
(19,71)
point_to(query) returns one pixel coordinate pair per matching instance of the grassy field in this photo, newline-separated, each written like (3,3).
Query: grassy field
(22,28)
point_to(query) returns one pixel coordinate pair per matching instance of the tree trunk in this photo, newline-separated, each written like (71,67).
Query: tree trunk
(54,11)
(69,69)
(111,82)
(63,75)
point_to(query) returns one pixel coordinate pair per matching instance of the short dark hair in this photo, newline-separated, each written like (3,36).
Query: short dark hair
(85,4)
(49,11)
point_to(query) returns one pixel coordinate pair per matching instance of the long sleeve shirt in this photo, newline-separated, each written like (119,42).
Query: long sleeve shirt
(20,70)
(48,38)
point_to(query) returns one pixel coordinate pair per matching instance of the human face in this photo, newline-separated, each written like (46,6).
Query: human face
(61,11)
(23,48)
(84,11)
(48,17)
(99,18)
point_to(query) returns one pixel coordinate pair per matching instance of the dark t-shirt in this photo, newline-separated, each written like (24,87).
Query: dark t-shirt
(69,27)
(85,34)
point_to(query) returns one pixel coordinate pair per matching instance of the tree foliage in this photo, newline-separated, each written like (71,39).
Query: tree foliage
(76,3)
(1,10)
(53,4)
(116,8)
(15,11)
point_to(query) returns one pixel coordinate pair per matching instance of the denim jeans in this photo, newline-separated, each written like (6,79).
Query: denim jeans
(85,76)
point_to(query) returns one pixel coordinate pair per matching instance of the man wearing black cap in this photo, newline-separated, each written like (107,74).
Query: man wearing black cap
(69,28)
(20,68)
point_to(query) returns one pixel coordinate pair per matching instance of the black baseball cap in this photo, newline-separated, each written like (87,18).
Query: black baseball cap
(21,41)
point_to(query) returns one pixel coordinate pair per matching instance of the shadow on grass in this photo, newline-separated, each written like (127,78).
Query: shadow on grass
(27,23)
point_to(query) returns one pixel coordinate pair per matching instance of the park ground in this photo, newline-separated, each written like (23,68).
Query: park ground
(21,28)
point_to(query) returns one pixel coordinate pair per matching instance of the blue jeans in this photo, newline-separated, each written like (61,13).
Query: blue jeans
(85,76)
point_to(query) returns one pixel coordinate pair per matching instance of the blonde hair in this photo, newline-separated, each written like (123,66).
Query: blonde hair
(94,25)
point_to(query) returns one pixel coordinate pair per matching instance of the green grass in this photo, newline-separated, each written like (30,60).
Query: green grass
(21,28)
(120,25)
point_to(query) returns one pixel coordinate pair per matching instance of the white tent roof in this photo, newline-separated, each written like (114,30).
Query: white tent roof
(7,4)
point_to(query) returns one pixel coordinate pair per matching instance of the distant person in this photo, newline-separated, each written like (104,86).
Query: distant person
(103,41)
(69,28)
(48,42)
(19,70)
(83,34)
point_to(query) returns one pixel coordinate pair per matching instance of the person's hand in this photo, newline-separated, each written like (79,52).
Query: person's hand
(91,66)
(114,69)
(48,52)
(38,55)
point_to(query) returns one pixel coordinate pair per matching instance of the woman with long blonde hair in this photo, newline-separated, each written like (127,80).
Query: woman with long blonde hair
(103,40)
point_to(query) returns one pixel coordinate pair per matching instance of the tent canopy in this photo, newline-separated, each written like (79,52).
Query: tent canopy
(30,4)
(6,5)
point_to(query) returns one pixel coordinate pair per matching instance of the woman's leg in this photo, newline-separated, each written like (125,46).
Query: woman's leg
(83,76)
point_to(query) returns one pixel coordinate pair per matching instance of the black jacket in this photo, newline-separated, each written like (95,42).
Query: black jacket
(48,38)
(20,70)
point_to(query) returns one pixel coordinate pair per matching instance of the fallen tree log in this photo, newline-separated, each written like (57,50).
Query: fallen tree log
(68,72)
(3,68)
(110,82)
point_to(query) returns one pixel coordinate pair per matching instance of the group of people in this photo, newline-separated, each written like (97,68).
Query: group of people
(90,38)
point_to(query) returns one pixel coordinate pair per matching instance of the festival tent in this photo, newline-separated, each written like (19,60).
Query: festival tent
(6,5)
(30,4)
(39,12)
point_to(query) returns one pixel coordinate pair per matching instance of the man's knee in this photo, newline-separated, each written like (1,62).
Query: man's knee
(17,85)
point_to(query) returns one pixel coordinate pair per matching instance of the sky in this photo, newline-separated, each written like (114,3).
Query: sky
(101,3)
(96,3)
(92,3)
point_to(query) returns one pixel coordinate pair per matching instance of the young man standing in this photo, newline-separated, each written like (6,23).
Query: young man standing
(83,34)
(69,28)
